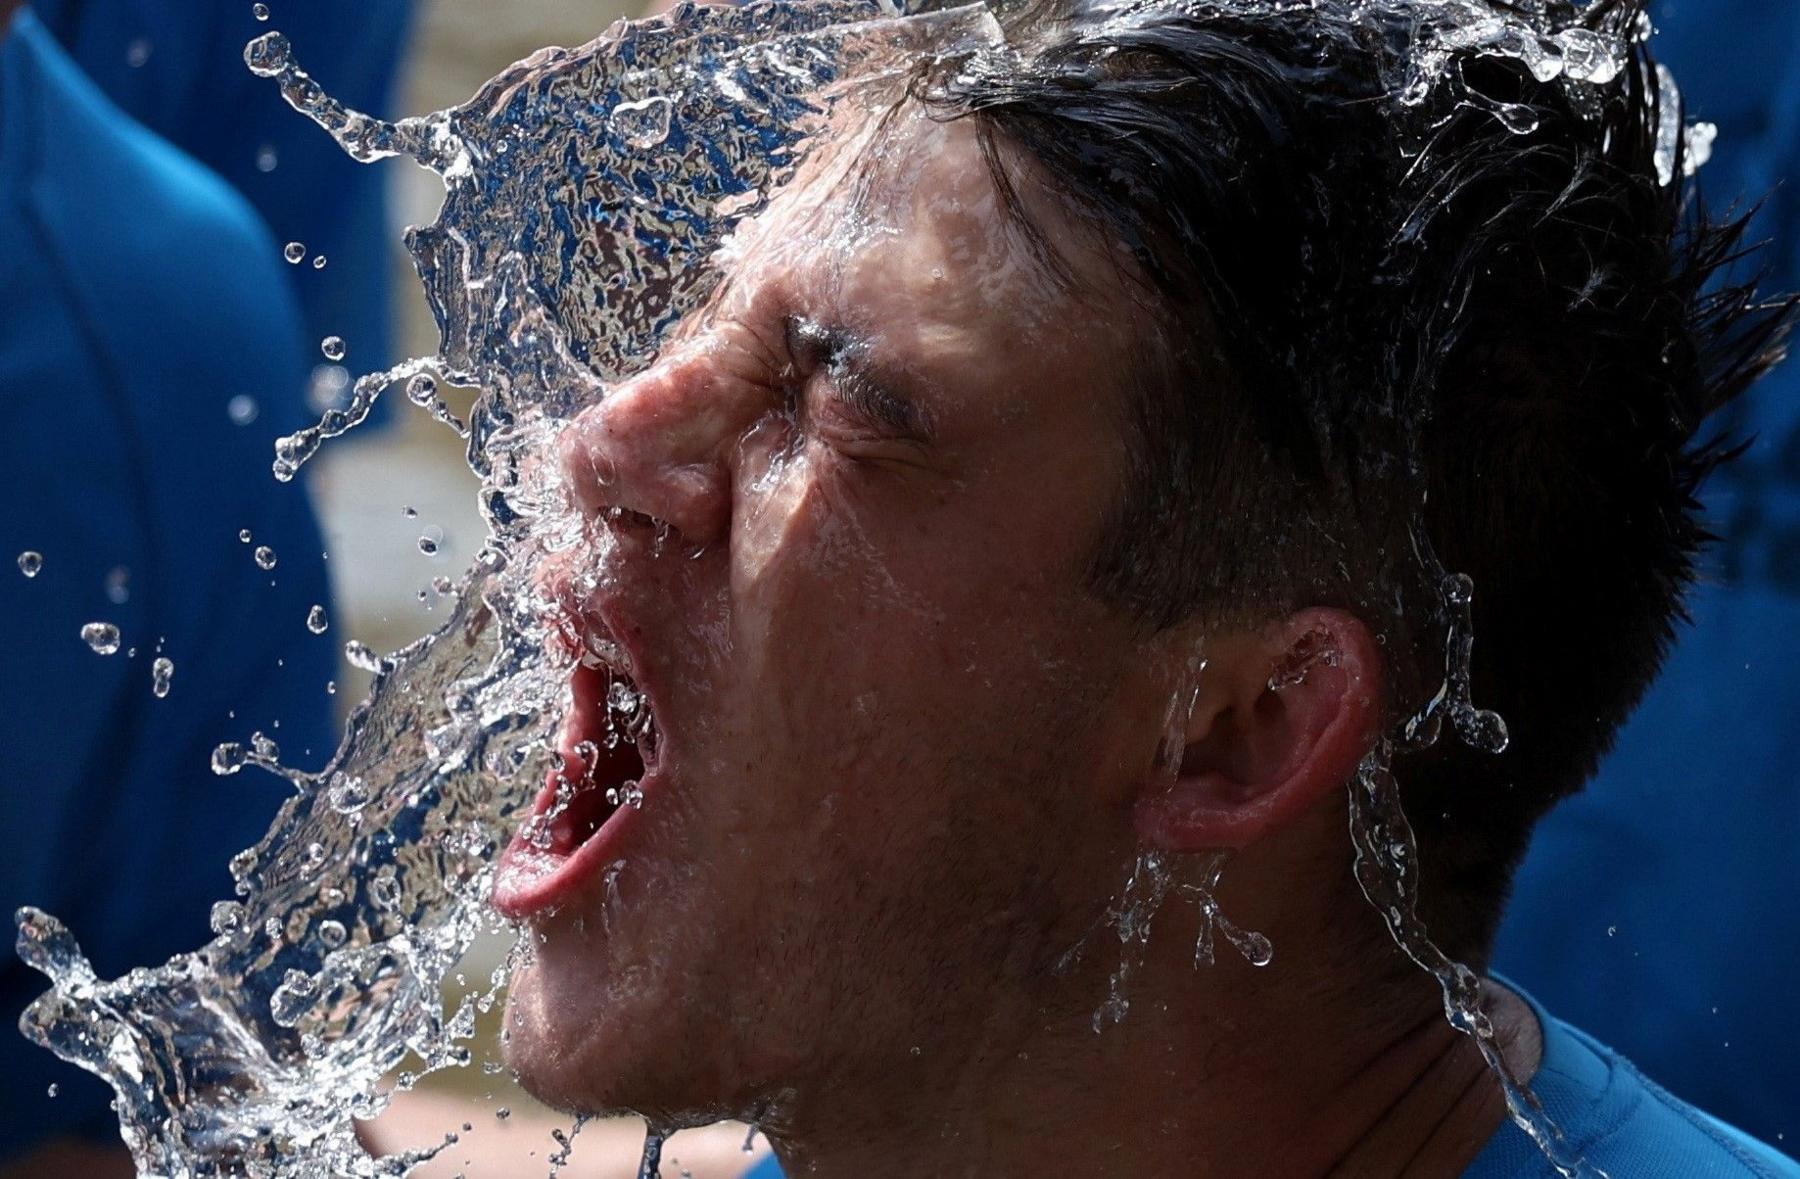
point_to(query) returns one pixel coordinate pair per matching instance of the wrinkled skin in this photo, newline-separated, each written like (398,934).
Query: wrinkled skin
(900,733)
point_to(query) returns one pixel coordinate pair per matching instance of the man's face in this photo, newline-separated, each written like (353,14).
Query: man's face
(896,732)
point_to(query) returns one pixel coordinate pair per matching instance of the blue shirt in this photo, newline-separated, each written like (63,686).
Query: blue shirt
(1620,1123)
(177,66)
(1609,1115)
(138,296)
(1660,908)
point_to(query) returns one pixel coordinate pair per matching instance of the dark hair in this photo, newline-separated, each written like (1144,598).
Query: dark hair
(1422,312)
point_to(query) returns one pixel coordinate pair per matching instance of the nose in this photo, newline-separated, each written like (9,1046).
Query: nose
(659,445)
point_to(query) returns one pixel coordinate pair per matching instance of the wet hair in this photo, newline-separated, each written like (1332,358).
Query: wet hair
(1419,312)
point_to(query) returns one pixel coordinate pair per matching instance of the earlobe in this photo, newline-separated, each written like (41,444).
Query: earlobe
(1288,716)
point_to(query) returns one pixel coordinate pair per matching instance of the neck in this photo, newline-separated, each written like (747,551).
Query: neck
(1222,1071)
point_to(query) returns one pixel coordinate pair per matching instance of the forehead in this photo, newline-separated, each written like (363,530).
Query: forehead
(896,228)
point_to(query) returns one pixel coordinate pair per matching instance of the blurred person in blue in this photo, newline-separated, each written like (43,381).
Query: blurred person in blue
(177,67)
(1682,949)
(149,352)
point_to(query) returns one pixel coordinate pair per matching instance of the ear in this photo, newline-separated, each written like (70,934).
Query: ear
(1282,718)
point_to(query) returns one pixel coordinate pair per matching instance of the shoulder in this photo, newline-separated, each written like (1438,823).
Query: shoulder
(1621,1124)
(1660,1134)
(136,225)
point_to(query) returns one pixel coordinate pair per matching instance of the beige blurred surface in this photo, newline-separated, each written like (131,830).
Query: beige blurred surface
(377,493)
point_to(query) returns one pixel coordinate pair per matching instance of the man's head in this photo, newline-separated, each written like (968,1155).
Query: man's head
(1070,460)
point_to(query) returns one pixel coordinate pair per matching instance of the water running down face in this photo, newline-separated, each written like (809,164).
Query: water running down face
(845,520)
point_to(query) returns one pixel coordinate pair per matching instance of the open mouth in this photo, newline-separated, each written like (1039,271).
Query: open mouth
(609,746)
(608,751)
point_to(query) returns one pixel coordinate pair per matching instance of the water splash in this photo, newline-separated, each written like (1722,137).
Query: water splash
(585,191)
(1386,871)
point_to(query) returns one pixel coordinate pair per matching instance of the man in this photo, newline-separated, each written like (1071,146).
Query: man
(1056,505)
(142,310)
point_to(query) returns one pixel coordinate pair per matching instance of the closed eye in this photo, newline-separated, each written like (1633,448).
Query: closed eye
(853,381)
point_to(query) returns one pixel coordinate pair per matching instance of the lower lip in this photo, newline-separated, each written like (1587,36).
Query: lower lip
(532,881)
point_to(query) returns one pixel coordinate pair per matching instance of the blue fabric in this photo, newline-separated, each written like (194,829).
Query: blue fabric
(1620,1123)
(138,296)
(768,1168)
(177,66)
(1660,909)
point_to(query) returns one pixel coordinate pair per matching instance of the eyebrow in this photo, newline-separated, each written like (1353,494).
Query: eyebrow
(862,383)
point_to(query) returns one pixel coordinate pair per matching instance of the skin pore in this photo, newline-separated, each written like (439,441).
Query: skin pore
(907,757)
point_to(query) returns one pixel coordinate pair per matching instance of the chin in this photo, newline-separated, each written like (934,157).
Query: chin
(592,1040)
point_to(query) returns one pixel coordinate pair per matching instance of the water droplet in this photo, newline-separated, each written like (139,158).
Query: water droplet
(293,998)
(138,53)
(410,512)
(319,262)
(244,535)
(1668,124)
(1589,56)
(1482,729)
(161,672)
(227,918)
(1612,931)
(384,889)
(242,409)
(1700,140)
(266,158)
(118,585)
(502,1114)
(53,1090)
(260,11)
(265,557)
(332,934)
(316,620)
(332,347)
(431,540)
(361,655)
(348,794)
(228,758)
(294,252)
(329,389)
(30,563)
(643,124)
(421,389)
(102,637)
